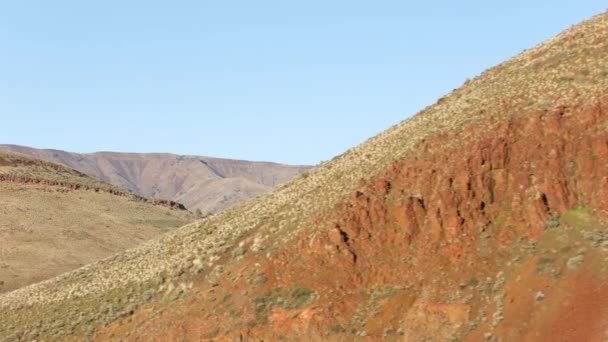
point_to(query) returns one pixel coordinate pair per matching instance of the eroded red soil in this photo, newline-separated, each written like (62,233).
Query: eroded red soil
(448,244)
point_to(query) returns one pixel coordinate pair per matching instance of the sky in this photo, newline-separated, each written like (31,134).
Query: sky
(287,81)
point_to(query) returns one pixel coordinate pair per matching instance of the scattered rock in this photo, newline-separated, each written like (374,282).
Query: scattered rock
(388,332)
(500,282)
(158,280)
(575,262)
(238,252)
(540,296)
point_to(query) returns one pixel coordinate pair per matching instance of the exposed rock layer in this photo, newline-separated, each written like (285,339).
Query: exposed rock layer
(435,247)
(84,187)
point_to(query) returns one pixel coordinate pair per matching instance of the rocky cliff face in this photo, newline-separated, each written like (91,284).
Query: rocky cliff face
(465,242)
(501,237)
(483,217)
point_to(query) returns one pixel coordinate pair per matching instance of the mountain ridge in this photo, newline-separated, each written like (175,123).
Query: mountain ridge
(175,177)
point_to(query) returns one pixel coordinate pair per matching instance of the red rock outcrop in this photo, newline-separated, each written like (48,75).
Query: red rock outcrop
(426,249)
(84,187)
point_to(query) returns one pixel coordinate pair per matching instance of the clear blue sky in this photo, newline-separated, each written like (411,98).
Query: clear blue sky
(287,81)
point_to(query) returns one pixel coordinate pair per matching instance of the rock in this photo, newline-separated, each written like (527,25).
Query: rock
(500,282)
(158,280)
(238,252)
(575,262)
(540,296)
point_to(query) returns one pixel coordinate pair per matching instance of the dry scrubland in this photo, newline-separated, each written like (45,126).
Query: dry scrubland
(48,227)
(568,70)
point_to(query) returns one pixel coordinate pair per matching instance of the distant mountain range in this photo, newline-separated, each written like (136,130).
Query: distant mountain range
(205,183)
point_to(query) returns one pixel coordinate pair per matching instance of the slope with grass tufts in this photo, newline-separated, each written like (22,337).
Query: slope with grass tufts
(54,219)
(481,217)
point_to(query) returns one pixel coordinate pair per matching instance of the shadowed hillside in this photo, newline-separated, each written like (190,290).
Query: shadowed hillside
(208,184)
(483,217)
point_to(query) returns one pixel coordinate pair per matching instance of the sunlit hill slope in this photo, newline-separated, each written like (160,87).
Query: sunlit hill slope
(481,217)
(54,219)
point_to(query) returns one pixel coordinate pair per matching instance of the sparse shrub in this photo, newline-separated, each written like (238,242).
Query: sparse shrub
(289,300)
(261,279)
(299,297)
(337,329)
(226,298)
(413,247)
(553,222)
(387,292)
(214,333)
(544,264)
(473,282)
(238,252)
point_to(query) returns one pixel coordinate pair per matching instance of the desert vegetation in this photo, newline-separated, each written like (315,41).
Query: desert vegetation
(318,245)
(55,220)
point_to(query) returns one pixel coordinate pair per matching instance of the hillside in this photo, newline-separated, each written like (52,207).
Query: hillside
(483,217)
(54,219)
(208,184)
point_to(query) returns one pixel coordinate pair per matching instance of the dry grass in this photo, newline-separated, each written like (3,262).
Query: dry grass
(49,230)
(566,70)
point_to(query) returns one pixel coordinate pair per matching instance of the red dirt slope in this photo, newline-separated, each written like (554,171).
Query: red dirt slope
(499,236)
(427,248)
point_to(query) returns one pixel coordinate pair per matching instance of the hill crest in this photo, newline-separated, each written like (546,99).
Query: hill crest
(55,219)
(205,183)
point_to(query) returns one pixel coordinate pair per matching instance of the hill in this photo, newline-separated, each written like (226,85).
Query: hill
(54,219)
(208,184)
(483,217)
